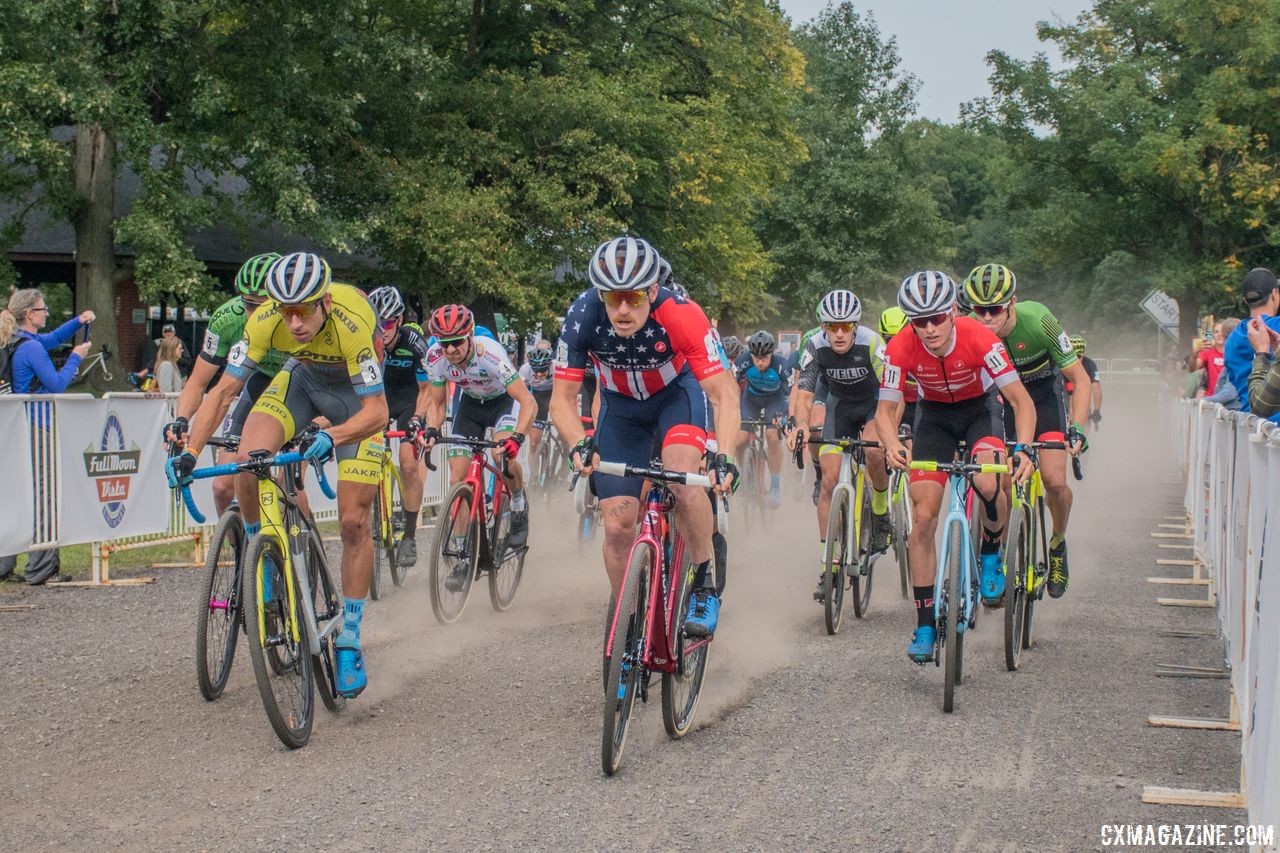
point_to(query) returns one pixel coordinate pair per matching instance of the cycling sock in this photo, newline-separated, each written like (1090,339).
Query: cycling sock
(251,530)
(990,541)
(1055,542)
(703,578)
(410,522)
(775,481)
(517,501)
(352,614)
(879,501)
(924,605)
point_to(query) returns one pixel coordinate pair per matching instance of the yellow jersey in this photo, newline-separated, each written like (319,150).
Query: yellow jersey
(347,345)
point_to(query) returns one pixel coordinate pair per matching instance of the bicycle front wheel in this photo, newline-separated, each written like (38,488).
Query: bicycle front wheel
(1017,573)
(954,605)
(219,616)
(860,576)
(277,643)
(508,564)
(626,640)
(681,689)
(326,605)
(455,552)
(834,561)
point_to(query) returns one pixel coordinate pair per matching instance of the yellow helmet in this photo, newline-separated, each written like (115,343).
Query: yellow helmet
(892,321)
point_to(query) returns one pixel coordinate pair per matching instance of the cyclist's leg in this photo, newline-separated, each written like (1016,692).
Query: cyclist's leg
(933,440)
(774,410)
(1051,425)
(543,399)
(468,422)
(625,435)
(273,420)
(984,433)
(505,412)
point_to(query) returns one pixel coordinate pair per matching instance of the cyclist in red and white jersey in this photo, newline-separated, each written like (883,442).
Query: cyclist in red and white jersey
(658,362)
(958,366)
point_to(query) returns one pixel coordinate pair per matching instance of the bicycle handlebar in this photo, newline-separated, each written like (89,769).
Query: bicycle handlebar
(253,466)
(1076,468)
(961,468)
(683,478)
(844,442)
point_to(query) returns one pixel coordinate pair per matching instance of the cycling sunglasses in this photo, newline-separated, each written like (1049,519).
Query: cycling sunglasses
(839,327)
(388,325)
(634,298)
(991,310)
(931,320)
(453,343)
(306,309)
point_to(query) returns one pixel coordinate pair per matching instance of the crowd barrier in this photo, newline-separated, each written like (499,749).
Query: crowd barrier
(1232,463)
(91,470)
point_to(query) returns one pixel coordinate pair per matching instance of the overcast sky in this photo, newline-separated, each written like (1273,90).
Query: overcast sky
(943,42)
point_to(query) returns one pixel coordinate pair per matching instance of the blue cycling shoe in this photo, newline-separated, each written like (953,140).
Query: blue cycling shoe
(704,613)
(350,674)
(992,579)
(920,649)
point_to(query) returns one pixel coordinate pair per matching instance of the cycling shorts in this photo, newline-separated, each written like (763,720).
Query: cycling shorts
(767,408)
(628,428)
(402,412)
(845,419)
(940,427)
(299,394)
(473,417)
(543,399)
(1051,411)
(233,423)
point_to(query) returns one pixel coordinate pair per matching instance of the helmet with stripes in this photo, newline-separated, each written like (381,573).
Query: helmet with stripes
(762,344)
(540,359)
(892,321)
(451,322)
(990,284)
(925,293)
(298,278)
(840,306)
(1078,345)
(732,347)
(251,280)
(625,263)
(387,302)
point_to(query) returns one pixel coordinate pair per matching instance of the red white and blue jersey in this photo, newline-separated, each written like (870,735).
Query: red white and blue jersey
(676,339)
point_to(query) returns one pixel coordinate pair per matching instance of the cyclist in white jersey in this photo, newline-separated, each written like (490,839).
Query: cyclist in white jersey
(536,373)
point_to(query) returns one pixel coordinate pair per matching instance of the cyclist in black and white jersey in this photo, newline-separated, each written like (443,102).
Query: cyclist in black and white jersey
(536,373)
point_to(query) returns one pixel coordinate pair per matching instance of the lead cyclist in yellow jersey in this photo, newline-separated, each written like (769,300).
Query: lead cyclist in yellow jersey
(334,373)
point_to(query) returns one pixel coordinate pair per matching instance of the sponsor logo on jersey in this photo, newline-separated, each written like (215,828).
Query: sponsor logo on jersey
(847,374)
(660,346)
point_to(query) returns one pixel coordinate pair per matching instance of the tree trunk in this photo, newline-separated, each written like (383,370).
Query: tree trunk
(94,173)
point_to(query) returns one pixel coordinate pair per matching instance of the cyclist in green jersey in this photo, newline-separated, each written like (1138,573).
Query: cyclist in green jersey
(223,342)
(1043,356)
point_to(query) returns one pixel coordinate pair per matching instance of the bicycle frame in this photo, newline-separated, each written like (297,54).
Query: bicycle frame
(481,507)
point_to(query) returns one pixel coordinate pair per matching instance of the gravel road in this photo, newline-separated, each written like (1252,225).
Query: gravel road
(485,734)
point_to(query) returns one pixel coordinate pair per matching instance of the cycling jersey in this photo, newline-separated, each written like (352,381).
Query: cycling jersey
(677,338)
(486,374)
(975,361)
(347,345)
(762,383)
(226,330)
(404,366)
(1036,343)
(1090,368)
(534,383)
(853,375)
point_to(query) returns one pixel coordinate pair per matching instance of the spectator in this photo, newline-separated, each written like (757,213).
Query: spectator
(1262,296)
(1224,393)
(34,373)
(1208,358)
(168,378)
(151,349)
(1264,379)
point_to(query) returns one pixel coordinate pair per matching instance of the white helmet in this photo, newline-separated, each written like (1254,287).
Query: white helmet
(386,302)
(840,306)
(298,278)
(625,263)
(925,293)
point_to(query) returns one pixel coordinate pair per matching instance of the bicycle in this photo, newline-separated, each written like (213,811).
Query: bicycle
(481,546)
(386,525)
(645,628)
(1026,558)
(955,585)
(587,506)
(293,610)
(96,364)
(844,527)
(755,474)
(900,518)
(549,462)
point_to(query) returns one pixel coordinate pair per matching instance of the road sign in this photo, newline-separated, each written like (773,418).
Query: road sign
(1162,308)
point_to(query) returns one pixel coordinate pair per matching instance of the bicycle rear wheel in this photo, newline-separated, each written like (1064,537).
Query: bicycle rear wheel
(627,637)
(864,565)
(508,565)
(454,556)
(834,560)
(326,606)
(277,645)
(900,519)
(1038,558)
(752,505)
(682,689)
(1016,571)
(219,616)
(952,638)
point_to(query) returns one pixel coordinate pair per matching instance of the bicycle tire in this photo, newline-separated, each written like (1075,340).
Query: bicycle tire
(446,604)
(1038,554)
(379,526)
(587,525)
(834,559)
(750,506)
(682,689)
(508,566)
(398,572)
(217,627)
(291,665)
(1016,571)
(953,639)
(763,510)
(326,604)
(900,521)
(627,641)
(860,579)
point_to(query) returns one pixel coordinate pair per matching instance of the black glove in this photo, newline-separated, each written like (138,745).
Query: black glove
(1096,417)
(1076,436)
(178,469)
(786,422)
(725,468)
(177,429)
(583,451)
(413,428)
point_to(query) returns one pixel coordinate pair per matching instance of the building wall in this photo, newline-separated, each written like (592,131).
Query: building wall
(130,307)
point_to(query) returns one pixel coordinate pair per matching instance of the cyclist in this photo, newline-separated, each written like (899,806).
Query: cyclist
(1078,346)
(735,352)
(1039,349)
(764,394)
(223,340)
(892,321)
(536,373)
(404,373)
(958,364)
(334,372)
(491,396)
(847,356)
(658,363)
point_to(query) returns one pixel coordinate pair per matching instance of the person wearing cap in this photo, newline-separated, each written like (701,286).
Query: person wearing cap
(1264,379)
(152,347)
(1262,296)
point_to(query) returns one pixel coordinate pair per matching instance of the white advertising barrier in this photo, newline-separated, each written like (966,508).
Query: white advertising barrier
(1233,493)
(112,466)
(17,516)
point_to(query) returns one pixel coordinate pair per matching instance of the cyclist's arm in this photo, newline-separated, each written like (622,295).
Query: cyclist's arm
(189,400)
(212,410)
(437,398)
(369,419)
(722,392)
(1081,384)
(423,401)
(1096,391)
(888,419)
(1024,411)
(519,392)
(801,405)
(564,410)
